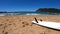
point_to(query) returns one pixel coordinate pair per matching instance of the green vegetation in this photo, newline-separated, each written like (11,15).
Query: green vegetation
(53,10)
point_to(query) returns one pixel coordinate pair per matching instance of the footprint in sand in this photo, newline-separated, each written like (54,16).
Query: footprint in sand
(25,24)
(6,32)
(1,24)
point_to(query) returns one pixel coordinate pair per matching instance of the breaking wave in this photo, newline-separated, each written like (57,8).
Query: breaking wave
(27,13)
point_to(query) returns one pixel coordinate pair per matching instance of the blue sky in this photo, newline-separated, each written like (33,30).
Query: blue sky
(27,5)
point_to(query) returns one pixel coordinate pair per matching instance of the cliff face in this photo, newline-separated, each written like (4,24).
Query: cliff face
(53,10)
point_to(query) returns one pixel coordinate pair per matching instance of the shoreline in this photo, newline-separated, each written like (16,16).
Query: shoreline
(54,18)
(31,15)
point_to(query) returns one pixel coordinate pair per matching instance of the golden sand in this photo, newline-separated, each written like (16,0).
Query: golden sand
(23,25)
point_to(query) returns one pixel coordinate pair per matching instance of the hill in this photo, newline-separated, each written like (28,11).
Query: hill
(53,10)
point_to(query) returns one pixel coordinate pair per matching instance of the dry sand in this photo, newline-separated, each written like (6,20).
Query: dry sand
(23,25)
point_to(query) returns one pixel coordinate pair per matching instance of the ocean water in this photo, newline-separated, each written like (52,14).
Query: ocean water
(28,13)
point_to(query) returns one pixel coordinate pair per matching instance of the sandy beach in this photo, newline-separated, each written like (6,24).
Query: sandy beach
(23,24)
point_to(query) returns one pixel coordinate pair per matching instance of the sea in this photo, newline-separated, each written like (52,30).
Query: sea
(28,13)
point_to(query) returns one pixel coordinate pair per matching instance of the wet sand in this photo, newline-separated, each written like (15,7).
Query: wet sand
(23,25)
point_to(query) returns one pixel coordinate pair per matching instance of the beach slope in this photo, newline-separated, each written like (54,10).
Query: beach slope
(23,25)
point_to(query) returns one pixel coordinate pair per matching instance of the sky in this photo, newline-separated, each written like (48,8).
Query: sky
(27,5)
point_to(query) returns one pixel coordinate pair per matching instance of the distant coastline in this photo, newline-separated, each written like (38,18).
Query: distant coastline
(49,10)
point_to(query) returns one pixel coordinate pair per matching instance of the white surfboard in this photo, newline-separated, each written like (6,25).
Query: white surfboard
(54,25)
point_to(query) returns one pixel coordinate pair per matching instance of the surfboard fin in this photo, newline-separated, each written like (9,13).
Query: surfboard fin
(35,19)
